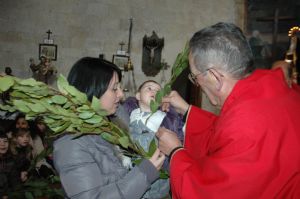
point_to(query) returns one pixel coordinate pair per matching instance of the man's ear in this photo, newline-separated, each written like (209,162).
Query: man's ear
(218,78)
(138,96)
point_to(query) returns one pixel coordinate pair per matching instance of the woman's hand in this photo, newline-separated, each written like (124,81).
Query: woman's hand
(174,99)
(157,159)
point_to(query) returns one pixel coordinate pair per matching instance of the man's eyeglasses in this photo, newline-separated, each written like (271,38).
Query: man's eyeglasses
(193,78)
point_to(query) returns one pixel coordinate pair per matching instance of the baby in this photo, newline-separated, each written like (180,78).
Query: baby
(143,125)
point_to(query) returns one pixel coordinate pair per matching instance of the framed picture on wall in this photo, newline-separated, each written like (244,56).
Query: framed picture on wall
(120,60)
(48,50)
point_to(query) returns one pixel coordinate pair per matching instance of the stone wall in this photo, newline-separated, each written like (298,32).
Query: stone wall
(91,27)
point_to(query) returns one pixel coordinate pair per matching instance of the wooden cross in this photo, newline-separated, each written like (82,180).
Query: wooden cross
(275,20)
(49,33)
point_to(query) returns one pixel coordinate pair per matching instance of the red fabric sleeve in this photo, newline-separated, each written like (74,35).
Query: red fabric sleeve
(199,127)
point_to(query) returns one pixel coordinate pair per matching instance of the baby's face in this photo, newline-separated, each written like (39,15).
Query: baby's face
(3,146)
(148,92)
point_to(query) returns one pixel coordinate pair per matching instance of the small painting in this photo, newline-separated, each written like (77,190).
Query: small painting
(48,50)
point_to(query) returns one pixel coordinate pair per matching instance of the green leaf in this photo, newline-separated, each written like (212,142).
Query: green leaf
(18,94)
(37,108)
(86,115)
(167,89)
(21,106)
(141,149)
(65,88)
(6,83)
(54,116)
(137,161)
(61,84)
(28,195)
(94,120)
(154,106)
(96,104)
(163,174)
(7,108)
(86,129)
(110,138)
(176,63)
(45,103)
(76,121)
(158,96)
(124,141)
(58,99)
(152,147)
(61,128)
(83,108)
(30,82)
(67,105)
(49,120)
(65,112)
(81,97)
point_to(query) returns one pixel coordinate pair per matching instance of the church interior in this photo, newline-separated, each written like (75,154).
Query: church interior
(143,38)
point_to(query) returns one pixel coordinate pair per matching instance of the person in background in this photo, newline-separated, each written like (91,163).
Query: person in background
(10,177)
(89,166)
(250,150)
(8,71)
(22,150)
(43,168)
(44,132)
(143,125)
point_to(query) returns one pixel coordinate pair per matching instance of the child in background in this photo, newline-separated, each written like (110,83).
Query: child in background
(44,131)
(44,169)
(22,150)
(144,132)
(10,177)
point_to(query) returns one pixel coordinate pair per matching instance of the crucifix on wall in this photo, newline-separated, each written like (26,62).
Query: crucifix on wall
(48,40)
(151,60)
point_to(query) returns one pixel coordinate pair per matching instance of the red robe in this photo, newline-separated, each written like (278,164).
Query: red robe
(251,150)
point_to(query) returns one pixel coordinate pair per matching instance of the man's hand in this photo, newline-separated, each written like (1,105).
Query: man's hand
(174,99)
(167,140)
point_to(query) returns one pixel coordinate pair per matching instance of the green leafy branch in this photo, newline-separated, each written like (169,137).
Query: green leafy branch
(65,110)
(179,65)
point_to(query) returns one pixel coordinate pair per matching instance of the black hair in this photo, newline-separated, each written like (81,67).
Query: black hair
(20,115)
(3,134)
(31,126)
(92,76)
(8,71)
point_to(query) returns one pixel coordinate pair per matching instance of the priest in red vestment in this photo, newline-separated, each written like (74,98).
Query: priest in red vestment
(252,148)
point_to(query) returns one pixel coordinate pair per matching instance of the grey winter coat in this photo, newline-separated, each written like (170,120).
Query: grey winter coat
(89,168)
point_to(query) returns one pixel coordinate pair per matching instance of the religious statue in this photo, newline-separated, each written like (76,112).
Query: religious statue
(151,61)
(44,70)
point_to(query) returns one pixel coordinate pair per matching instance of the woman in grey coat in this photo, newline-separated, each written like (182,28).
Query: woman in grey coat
(90,167)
